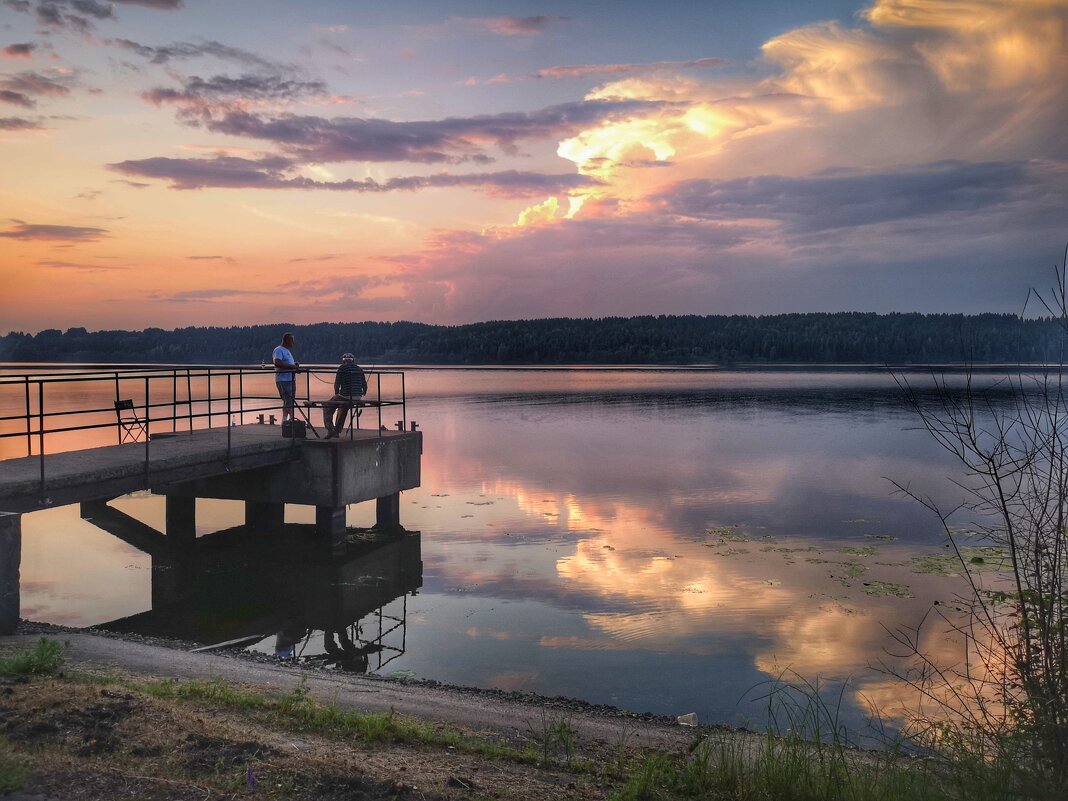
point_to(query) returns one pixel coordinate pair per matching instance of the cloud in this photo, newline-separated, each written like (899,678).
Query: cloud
(79,14)
(19,123)
(226,259)
(273,172)
(53,233)
(517,26)
(208,295)
(64,13)
(913,81)
(944,236)
(198,92)
(131,184)
(324,257)
(162,5)
(22,88)
(16,99)
(20,50)
(449,140)
(584,70)
(54,264)
(850,199)
(181,51)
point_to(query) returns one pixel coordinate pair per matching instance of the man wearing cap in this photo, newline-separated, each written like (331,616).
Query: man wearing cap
(350,384)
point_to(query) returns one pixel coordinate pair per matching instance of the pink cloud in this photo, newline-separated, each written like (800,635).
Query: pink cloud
(20,50)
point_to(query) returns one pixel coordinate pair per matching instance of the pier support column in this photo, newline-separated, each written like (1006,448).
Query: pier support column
(387,511)
(10,562)
(181,523)
(330,522)
(264,517)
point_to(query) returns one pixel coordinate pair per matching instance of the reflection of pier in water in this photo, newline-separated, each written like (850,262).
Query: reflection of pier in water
(287,595)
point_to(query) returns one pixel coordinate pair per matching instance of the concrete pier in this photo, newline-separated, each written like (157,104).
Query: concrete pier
(251,463)
(328,475)
(10,561)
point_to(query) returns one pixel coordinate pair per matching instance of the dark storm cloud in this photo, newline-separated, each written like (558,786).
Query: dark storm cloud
(56,233)
(275,172)
(19,50)
(833,200)
(197,91)
(181,51)
(450,140)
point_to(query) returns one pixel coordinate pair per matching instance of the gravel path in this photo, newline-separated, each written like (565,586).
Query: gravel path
(509,715)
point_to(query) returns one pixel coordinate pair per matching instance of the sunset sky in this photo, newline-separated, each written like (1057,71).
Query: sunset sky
(217,162)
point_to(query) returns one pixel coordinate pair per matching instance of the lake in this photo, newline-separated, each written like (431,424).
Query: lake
(663,540)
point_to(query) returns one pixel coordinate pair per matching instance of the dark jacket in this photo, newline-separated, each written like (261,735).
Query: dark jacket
(350,381)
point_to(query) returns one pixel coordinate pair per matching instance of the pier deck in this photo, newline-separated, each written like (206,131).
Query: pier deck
(113,470)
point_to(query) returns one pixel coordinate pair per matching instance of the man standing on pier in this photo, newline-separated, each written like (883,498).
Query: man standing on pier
(285,375)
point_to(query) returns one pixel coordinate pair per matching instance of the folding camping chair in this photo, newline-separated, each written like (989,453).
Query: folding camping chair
(131,427)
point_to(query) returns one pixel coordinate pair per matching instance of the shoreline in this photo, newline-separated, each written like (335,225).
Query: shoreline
(501,708)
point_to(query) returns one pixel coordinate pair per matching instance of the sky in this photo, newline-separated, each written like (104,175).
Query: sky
(194,162)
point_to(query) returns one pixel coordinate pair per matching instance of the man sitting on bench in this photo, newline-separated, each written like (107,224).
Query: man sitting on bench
(350,384)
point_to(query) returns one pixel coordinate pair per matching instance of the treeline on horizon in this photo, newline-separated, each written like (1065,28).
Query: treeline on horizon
(849,337)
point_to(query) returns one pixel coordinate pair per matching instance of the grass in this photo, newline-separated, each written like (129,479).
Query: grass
(554,735)
(12,770)
(44,659)
(805,755)
(299,711)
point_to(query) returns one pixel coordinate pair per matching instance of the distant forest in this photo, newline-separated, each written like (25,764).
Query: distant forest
(843,337)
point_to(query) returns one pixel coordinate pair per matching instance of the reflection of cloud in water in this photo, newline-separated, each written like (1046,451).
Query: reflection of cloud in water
(474,632)
(635,581)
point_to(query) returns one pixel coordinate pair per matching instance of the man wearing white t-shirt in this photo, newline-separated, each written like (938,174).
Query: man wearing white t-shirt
(285,375)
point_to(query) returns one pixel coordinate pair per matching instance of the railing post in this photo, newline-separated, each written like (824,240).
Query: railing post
(378,382)
(29,435)
(189,397)
(148,427)
(404,403)
(229,422)
(209,397)
(118,431)
(241,394)
(40,430)
(174,401)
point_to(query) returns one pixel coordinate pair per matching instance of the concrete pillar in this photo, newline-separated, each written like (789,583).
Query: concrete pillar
(181,523)
(264,517)
(387,511)
(330,522)
(10,562)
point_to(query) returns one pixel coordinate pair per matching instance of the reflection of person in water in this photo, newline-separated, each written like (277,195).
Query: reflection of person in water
(345,653)
(287,638)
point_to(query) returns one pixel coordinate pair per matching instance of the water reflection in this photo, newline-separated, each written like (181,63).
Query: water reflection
(287,594)
(661,541)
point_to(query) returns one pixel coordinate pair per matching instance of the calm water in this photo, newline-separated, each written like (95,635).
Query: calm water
(663,541)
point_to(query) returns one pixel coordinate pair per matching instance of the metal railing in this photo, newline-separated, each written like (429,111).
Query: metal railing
(166,399)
